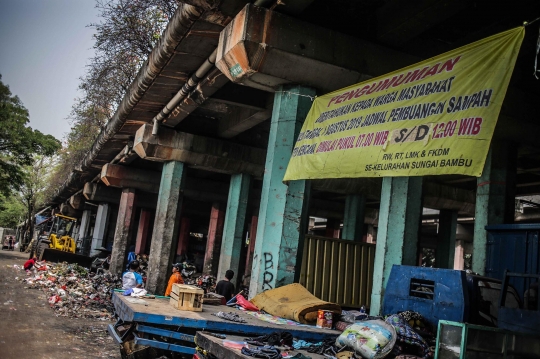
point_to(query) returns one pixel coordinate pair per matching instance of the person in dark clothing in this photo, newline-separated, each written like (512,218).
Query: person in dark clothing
(225,287)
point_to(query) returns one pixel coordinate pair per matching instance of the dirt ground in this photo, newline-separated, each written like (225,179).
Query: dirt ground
(29,329)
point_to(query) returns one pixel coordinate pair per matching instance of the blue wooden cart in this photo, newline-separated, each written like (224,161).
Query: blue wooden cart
(155,323)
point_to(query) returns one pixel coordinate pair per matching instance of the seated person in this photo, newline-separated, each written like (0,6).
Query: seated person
(176,277)
(132,279)
(225,287)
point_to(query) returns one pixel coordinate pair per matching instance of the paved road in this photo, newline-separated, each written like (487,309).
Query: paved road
(29,329)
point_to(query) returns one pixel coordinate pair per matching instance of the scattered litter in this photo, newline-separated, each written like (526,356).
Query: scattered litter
(230,316)
(72,291)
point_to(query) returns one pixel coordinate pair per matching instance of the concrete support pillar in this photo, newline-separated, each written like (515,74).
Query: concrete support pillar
(122,234)
(235,221)
(166,226)
(183,237)
(353,220)
(495,198)
(459,258)
(213,243)
(85,223)
(446,239)
(251,248)
(142,231)
(399,221)
(100,228)
(283,209)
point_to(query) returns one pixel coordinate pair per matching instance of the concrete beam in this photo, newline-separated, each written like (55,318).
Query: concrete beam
(264,49)
(240,120)
(77,201)
(201,152)
(67,210)
(438,196)
(331,209)
(97,192)
(242,96)
(371,187)
(129,177)
(196,190)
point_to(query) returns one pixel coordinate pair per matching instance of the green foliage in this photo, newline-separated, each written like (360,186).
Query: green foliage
(12,212)
(18,142)
(125,36)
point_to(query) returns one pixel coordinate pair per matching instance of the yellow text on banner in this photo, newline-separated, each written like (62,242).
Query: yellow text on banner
(432,118)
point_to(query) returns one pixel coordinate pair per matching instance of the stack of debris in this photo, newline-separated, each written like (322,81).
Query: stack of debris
(75,292)
(205,282)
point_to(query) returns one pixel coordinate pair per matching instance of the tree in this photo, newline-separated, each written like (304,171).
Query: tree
(125,36)
(32,189)
(12,212)
(18,142)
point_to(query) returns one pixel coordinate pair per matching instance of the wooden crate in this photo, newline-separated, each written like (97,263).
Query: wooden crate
(186,297)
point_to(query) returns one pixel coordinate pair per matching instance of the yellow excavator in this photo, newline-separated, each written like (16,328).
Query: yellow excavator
(56,234)
(60,235)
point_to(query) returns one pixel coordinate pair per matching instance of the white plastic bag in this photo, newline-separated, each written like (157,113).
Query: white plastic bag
(372,339)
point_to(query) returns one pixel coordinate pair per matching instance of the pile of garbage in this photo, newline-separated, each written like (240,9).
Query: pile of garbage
(75,292)
(205,282)
(403,335)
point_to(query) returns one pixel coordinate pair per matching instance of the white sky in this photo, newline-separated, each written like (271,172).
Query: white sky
(44,47)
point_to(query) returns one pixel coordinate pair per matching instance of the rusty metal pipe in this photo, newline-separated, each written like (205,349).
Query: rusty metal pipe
(185,90)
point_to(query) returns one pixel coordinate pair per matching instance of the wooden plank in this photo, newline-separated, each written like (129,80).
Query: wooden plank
(185,288)
(159,311)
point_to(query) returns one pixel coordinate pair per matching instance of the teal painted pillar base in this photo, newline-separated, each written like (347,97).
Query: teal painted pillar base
(399,221)
(283,209)
(495,198)
(446,239)
(166,226)
(353,220)
(235,222)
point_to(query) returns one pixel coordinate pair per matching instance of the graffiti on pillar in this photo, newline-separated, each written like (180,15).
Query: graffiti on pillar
(268,277)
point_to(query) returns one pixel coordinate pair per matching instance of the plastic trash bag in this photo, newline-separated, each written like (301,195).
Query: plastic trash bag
(371,339)
(246,304)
